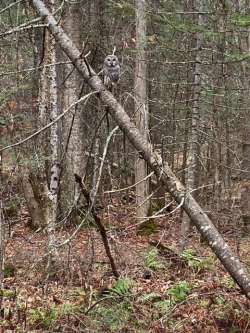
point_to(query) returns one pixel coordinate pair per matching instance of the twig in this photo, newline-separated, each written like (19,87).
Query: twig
(131,186)
(163,215)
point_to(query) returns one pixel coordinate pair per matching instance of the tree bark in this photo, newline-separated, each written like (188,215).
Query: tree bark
(244,45)
(54,147)
(141,106)
(72,127)
(164,174)
(34,206)
(192,169)
(46,193)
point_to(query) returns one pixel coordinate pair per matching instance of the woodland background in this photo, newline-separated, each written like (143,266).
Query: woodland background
(89,241)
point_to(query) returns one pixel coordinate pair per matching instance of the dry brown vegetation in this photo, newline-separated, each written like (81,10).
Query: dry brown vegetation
(158,291)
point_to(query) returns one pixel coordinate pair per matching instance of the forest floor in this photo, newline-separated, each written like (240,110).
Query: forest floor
(158,290)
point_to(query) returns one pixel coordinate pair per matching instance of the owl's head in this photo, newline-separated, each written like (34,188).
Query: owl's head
(111,61)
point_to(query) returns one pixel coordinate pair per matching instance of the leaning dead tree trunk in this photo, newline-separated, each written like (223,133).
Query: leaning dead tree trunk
(163,172)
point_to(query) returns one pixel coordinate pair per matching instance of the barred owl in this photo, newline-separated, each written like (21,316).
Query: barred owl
(111,70)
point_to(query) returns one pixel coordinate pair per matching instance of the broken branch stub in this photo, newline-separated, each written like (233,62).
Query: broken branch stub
(164,174)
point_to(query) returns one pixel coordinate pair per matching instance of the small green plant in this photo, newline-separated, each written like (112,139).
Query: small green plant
(179,292)
(9,270)
(198,264)
(228,282)
(204,303)
(112,317)
(43,317)
(7,293)
(220,300)
(151,297)
(122,287)
(151,261)
(68,309)
(163,306)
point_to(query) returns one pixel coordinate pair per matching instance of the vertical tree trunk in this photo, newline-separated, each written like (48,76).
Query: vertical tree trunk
(191,176)
(244,46)
(54,144)
(141,105)
(46,191)
(72,129)
(35,184)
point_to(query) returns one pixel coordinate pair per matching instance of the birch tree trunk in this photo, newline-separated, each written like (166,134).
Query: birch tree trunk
(48,109)
(54,144)
(163,172)
(141,106)
(191,175)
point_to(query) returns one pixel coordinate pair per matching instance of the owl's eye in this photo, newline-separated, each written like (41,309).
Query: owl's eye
(108,59)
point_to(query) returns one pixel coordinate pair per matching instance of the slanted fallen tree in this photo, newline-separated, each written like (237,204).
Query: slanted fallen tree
(164,174)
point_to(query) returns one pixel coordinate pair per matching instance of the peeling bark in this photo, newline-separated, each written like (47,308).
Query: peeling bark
(164,174)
